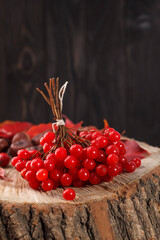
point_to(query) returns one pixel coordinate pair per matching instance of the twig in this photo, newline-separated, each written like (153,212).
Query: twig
(63,133)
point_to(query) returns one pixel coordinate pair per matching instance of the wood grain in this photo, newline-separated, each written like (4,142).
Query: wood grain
(3,67)
(24,60)
(107,50)
(87,50)
(126,208)
(142,37)
(21,192)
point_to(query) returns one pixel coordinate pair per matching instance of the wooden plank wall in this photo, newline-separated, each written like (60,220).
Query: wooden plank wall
(109,52)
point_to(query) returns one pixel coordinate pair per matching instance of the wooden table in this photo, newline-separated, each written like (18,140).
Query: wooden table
(126,208)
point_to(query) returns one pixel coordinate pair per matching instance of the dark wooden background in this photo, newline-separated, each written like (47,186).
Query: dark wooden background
(108,50)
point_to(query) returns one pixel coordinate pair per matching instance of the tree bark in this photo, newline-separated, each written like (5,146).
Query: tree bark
(125,208)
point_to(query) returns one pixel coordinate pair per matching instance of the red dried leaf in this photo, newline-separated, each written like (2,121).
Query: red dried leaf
(9,130)
(134,150)
(35,130)
(6,122)
(70,124)
(2,175)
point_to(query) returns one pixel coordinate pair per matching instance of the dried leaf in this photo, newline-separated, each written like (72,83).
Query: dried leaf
(106,124)
(70,124)
(134,150)
(2,175)
(10,129)
(35,130)
(6,122)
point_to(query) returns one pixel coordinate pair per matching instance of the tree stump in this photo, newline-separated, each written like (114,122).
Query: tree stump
(126,208)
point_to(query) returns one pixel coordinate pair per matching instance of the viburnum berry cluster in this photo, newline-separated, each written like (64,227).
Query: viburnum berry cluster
(73,159)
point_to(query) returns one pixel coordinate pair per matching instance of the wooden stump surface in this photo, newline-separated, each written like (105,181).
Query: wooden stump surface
(128,207)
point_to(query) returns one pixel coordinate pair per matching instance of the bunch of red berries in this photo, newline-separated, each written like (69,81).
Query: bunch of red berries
(47,141)
(73,164)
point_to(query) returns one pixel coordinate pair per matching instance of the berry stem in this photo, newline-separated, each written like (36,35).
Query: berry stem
(63,133)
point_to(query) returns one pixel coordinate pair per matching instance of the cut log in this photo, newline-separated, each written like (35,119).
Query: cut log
(126,208)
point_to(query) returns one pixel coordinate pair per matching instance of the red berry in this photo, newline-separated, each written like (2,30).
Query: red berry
(49,165)
(83,136)
(35,154)
(101,156)
(55,175)
(78,163)
(73,172)
(120,168)
(112,149)
(88,137)
(51,156)
(113,170)
(37,164)
(61,169)
(102,141)
(49,137)
(69,194)
(130,167)
(20,165)
(94,178)
(112,159)
(89,164)
(55,185)
(108,131)
(78,183)
(47,147)
(101,170)
(137,161)
(15,160)
(42,141)
(96,135)
(109,142)
(76,150)
(95,143)
(107,178)
(47,185)
(83,133)
(60,164)
(23,172)
(70,162)
(4,159)
(28,165)
(35,185)
(60,153)
(122,160)
(32,152)
(23,153)
(121,147)
(30,176)
(84,154)
(66,179)
(92,152)
(114,136)
(83,174)
(42,174)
